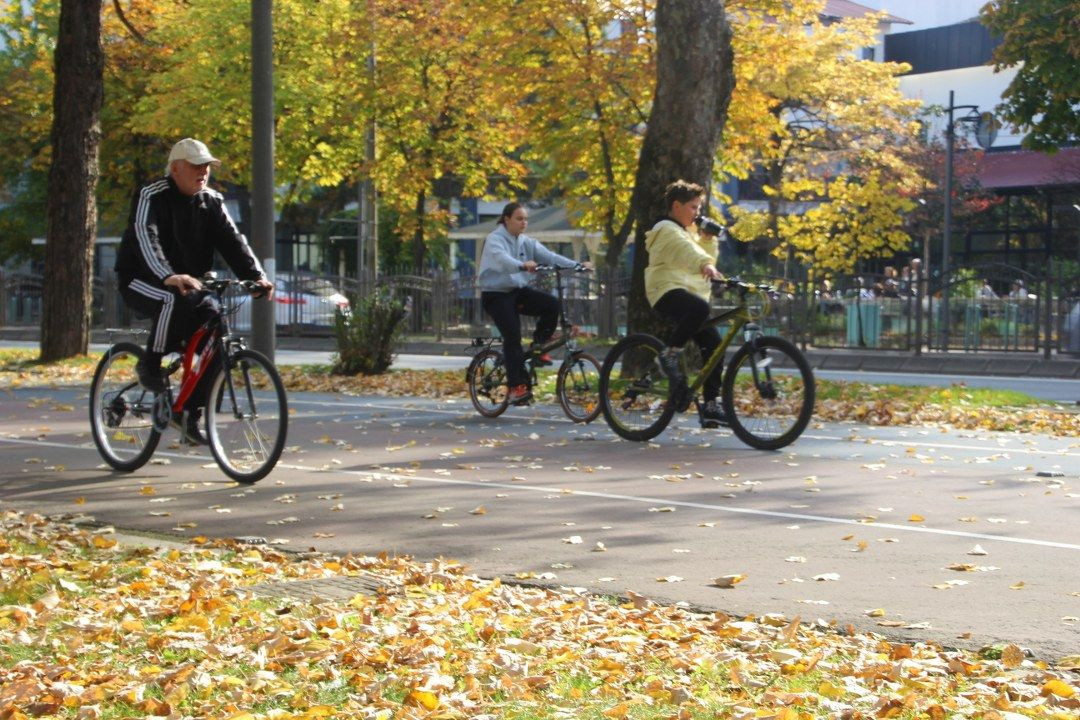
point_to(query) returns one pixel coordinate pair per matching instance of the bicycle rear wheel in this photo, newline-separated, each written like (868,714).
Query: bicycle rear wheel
(578,387)
(487,383)
(634,389)
(247,417)
(768,393)
(121,410)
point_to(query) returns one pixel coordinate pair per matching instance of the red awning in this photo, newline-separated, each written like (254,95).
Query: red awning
(1027,168)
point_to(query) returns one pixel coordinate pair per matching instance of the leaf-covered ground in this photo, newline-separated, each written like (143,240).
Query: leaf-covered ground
(93,629)
(956,406)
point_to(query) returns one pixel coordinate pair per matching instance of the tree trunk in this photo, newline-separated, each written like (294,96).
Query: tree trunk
(71,217)
(694,80)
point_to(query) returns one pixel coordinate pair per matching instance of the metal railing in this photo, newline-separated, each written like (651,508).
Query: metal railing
(843,312)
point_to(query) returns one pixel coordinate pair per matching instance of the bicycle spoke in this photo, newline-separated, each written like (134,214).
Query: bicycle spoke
(768,393)
(634,389)
(121,419)
(247,418)
(578,388)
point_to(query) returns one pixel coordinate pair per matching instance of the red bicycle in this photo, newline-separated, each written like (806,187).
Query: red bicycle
(246,410)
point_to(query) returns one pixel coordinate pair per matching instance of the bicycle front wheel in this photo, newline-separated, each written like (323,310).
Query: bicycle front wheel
(578,387)
(634,389)
(247,416)
(121,410)
(768,393)
(487,383)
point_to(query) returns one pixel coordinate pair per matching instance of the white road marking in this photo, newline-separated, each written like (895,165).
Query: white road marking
(547,490)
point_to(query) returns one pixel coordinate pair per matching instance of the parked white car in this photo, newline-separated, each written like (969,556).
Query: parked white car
(301,300)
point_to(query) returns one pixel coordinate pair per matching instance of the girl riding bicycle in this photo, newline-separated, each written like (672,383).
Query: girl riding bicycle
(678,285)
(507,259)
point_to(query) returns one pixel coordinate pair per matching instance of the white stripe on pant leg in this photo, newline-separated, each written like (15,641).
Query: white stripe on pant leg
(164,318)
(164,315)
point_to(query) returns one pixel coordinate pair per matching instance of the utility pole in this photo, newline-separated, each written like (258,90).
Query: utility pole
(262,165)
(367,240)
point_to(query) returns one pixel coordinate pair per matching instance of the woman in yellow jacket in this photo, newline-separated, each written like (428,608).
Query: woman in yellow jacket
(678,286)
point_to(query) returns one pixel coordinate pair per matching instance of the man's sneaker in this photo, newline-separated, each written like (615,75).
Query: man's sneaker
(519,395)
(150,375)
(712,415)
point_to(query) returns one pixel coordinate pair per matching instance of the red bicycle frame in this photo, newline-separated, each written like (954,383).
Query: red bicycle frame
(191,378)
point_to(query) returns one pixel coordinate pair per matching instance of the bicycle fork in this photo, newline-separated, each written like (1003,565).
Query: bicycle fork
(759,366)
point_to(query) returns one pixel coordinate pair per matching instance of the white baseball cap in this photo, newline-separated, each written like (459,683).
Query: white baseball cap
(193,151)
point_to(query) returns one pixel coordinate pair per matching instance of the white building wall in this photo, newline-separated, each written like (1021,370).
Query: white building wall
(972,86)
(927,13)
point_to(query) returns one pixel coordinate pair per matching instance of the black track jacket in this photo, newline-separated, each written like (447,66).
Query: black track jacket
(170,233)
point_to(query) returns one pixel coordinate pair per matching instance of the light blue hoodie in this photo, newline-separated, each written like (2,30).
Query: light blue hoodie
(500,263)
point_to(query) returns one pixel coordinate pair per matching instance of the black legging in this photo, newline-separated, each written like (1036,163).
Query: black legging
(506,309)
(688,311)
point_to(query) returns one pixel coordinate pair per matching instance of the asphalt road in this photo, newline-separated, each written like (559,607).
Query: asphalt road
(853,525)
(1056,389)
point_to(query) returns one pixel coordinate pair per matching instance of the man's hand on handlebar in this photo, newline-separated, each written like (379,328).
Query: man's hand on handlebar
(587,265)
(264,289)
(529,266)
(183,283)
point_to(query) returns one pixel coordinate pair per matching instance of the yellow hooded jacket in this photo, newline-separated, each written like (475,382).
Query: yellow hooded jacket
(676,257)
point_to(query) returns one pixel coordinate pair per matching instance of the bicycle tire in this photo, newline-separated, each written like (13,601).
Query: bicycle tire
(581,402)
(774,413)
(621,397)
(487,383)
(228,423)
(129,400)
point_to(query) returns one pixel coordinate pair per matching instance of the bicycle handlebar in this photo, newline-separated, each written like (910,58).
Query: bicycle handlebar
(744,286)
(554,268)
(220,285)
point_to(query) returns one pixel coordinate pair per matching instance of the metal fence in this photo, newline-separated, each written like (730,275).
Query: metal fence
(981,308)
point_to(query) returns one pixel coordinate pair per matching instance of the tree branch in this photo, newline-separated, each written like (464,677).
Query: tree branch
(123,19)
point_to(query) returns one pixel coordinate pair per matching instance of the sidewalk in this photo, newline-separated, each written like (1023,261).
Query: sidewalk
(1009,364)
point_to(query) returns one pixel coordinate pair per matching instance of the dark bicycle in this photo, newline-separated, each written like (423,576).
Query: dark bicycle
(577,385)
(246,410)
(767,391)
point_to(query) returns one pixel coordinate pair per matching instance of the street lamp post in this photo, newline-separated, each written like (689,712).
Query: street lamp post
(986,133)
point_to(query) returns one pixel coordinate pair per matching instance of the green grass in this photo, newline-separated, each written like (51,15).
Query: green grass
(11,655)
(954,395)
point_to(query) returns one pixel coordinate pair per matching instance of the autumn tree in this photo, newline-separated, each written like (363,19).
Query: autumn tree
(826,131)
(27,42)
(441,107)
(694,83)
(436,97)
(587,74)
(1041,38)
(71,222)
(26,71)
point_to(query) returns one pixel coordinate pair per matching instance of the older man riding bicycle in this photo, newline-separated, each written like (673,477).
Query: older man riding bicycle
(176,224)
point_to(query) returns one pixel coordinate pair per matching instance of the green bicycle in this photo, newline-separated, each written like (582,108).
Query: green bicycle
(767,391)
